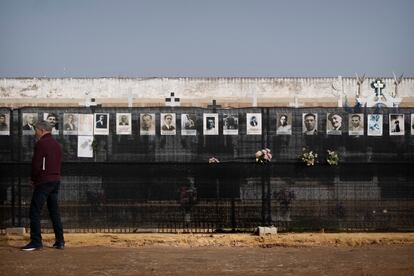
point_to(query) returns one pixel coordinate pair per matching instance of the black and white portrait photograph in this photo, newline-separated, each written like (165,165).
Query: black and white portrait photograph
(188,124)
(123,124)
(310,123)
(168,124)
(284,123)
(230,124)
(254,123)
(147,123)
(374,125)
(53,119)
(356,124)
(70,123)
(396,124)
(412,124)
(29,120)
(101,123)
(86,124)
(333,124)
(4,123)
(210,124)
(85,146)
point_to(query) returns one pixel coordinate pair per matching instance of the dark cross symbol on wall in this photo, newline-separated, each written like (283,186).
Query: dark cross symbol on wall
(214,106)
(378,85)
(172,101)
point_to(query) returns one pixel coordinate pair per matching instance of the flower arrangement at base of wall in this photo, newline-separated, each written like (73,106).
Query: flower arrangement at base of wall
(308,157)
(263,156)
(213,160)
(332,158)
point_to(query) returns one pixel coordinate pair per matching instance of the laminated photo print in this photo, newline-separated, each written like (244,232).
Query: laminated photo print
(29,121)
(168,124)
(101,123)
(147,123)
(412,124)
(334,123)
(70,123)
(4,123)
(53,119)
(230,124)
(86,124)
(85,146)
(310,123)
(210,124)
(374,125)
(396,124)
(254,123)
(356,124)
(123,124)
(284,123)
(188,124)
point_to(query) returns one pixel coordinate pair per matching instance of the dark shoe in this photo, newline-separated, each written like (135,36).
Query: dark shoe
(59,245)
(31,247)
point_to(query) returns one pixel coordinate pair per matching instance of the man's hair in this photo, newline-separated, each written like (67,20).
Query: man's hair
(310,114)
(167,115)
(330,116)
(2,115)
(356,115)
(43,125)
(147,115)
(52,115)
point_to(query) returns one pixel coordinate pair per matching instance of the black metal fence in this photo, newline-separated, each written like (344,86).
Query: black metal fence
(164,183)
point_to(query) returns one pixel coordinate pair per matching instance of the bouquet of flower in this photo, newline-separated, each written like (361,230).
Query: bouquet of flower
(213,160)
(332,158)
(263,156)
(309,157)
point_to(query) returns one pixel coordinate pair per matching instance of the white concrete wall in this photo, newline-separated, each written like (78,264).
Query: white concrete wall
(317,89)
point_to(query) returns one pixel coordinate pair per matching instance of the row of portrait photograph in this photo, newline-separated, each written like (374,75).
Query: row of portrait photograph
(98,124)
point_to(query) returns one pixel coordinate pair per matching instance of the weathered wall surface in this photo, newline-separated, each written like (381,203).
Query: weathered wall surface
(231,92)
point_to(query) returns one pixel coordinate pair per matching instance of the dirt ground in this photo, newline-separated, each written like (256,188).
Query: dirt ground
(215,254)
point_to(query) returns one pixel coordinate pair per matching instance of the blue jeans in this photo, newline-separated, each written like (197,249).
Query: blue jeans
(45,192)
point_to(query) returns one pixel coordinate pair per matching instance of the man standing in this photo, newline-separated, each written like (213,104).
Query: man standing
(46,164)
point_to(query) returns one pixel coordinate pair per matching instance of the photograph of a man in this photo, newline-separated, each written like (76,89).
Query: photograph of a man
(101,121)
(29,121)
(70,124)
(310,123)
(168,124)
(334,124)
(123,120)
(396,124)
(53,120)
(188,124)
(254,123)
(284,124)
(86,124)
(210,123)
(356,124)
(412,124)
(123,124)
(4,124)
(230,124)
(147,124)
(101,124)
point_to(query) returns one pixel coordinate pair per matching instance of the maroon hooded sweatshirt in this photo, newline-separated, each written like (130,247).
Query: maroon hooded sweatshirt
(46,161)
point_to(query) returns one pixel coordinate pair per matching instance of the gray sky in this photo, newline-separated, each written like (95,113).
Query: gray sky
(194,38)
